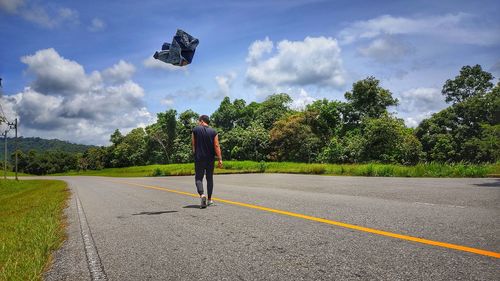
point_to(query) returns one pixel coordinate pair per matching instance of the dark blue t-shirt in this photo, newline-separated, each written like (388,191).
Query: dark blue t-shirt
(204,138)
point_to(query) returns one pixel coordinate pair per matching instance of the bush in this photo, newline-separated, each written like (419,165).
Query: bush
(157,172)
(389,141)
(262,166)
(333,152)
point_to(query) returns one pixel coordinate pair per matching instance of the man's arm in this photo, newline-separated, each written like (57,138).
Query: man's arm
(193,142)
(217,151)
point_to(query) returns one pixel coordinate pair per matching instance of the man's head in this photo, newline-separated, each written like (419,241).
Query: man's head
(204,119)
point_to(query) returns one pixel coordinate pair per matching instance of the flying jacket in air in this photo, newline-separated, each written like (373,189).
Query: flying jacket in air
(180,51)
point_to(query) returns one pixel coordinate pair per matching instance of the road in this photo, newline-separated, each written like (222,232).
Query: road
(281,227)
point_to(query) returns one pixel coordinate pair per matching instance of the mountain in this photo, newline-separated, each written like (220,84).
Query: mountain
(39,145)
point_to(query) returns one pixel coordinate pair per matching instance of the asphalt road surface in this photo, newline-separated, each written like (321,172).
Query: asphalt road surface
(281,227)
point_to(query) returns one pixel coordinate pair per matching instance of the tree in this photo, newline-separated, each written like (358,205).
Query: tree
(486,148)
(182,145)
(333,152)
(188,119)
(167,131)
(457,132)
(156,143)
(131,151)
(47,162)
(116,137)
(228,114)
(440,123)
(292,139)
(273,108)
(389,141)
(472,81)
(325,117)
(249,114)
(368,99)
(444,149)
(353,144)
(93,159)
(251,143)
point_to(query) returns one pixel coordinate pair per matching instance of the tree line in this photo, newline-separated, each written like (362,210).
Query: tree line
(40,145)
(359,129)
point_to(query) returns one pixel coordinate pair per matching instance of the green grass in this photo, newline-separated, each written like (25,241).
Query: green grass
(370,169)
(31,226)
(12,174)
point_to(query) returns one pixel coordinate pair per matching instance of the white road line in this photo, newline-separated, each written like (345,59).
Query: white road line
(93,261)
(441,205)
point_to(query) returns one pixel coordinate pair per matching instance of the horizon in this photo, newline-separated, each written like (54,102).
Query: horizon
(78,71)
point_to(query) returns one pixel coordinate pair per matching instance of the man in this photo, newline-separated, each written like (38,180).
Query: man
(205,143)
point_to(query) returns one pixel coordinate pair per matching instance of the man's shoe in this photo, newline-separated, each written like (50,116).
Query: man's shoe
(210,203)
(203,204)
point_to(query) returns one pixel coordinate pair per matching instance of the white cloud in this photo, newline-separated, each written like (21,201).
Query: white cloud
(39,109)
(420,103)
(191,94)
(386,49)
(32,11)
(421,100)
(11,6)
(41,17)
(96,25)
(151,62)
(167,101)
(65,102)
(456,28)
(259,48)
(224,83)
(67,14)
(122,71)
(301,100)
(417,118)
(57,74)
(314,61)
(413,122)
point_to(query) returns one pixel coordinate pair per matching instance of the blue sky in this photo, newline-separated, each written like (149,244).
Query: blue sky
(76,70)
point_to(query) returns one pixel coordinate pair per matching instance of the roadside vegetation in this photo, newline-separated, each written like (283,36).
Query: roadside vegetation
(351,135)
(378,170)
(12,174)
(31,226)
(39,145)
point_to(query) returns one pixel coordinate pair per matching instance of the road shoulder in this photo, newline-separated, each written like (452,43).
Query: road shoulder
(69,262)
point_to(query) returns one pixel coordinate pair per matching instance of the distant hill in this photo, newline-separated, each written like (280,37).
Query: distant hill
(39,144)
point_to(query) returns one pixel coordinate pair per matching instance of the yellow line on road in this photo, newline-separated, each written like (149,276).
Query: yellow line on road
(336,223)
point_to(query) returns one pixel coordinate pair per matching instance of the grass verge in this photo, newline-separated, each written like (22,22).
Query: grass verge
(370,169)
(12,174)
(31,226)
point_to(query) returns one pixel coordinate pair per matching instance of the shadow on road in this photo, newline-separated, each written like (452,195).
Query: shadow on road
(154,213)
(191,207)
(490,184)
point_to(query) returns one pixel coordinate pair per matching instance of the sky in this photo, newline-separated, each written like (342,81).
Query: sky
(78,70)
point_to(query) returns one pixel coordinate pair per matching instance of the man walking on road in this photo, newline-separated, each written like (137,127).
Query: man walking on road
(205,143)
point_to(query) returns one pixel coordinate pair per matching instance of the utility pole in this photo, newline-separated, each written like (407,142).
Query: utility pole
(14,126)
(17,149)
(3,119)
(5,155)
(11,125)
